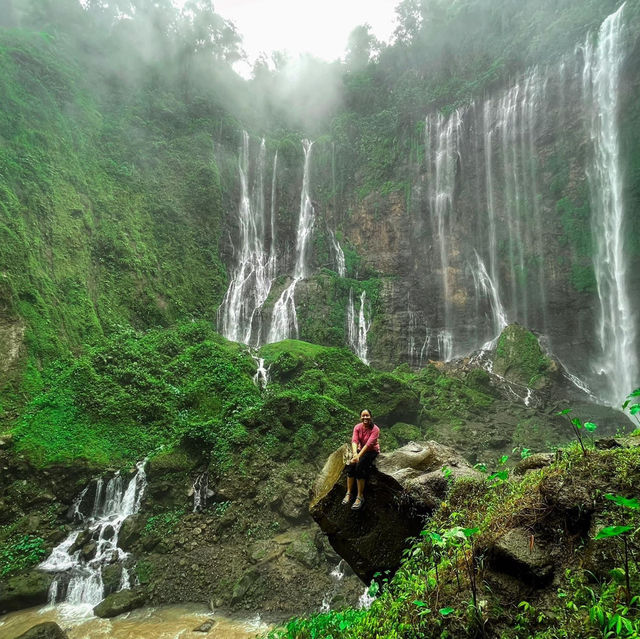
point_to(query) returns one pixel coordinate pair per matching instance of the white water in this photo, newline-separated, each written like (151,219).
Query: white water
(251,279)
(337,574)
(201,491)
(112,505)
(357,330)
(261,378)
(616,333)
(338,255)
(485,286)
(442,160)
(284,318)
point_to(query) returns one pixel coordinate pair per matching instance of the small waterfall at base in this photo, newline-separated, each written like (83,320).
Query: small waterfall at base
(337,575)
(284,319)
(261,378)
(357,331)
(618,363)
(80,558)
(201,492)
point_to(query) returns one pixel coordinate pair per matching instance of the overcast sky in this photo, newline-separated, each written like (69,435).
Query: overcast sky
(319,27)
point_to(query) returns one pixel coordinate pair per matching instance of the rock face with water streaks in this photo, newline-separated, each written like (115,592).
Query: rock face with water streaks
(407,485)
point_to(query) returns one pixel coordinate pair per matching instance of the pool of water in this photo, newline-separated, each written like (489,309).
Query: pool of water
(164,622)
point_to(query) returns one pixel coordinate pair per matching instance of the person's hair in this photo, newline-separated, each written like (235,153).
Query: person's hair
(368,411)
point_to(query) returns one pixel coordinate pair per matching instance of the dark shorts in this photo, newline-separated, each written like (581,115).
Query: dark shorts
(362,469)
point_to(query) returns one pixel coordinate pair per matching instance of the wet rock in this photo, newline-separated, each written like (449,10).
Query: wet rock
(108,532)
(88,551)
(518,555)
(24,591)
(130,532)
(111,577)
(206,626)
(119,602)
(407,486)
(47,630)
(294,504)
(81,540)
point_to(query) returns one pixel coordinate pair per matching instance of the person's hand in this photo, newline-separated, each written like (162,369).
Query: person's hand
(355,459)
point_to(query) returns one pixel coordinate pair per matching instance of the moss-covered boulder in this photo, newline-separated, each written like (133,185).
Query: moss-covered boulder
(119,602)
(47,630)
(519,358)
(24,591)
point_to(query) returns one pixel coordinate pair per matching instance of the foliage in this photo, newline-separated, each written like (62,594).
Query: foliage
(20,552)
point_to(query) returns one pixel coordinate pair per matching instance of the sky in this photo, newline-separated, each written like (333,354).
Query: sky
(319,27)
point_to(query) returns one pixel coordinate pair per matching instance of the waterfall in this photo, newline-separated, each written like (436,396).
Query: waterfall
(617,335)
(338,255)
(201,492)
(357,329)
(284,319)
(80,558)
(251,279)
(261,378)
(484,286)
(442,161)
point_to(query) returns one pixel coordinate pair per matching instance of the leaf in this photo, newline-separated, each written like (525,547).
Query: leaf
(481,467)
(576,422)
(612,531)
(635,393)
(446,611)
(503,459)
(590,426)
(420,604)
(565,411)
(469,532)
(635,409)
(624,501)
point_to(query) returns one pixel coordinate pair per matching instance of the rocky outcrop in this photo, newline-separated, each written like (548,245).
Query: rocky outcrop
(47,630)
(24,591)
(405,488)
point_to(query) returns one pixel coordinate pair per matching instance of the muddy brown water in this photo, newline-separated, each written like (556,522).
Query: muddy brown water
(165,622)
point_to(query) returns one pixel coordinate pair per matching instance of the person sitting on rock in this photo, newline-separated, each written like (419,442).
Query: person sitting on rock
(365,449)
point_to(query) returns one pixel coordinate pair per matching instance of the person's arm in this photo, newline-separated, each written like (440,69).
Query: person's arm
(354,445)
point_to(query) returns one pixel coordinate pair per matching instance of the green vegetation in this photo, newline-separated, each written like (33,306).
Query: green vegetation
(20,552)
(448,585)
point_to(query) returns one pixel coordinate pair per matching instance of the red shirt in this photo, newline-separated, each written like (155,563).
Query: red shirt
(363,436)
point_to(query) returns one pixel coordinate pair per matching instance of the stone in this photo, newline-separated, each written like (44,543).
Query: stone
(533,462)
(130,532)
(119,602)
(405,487)
(24,591)
(47,630)
(111,577)
(206,626)
(517,554)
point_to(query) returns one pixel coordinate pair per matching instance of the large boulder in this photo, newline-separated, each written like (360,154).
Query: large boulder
(119,602)
(24,591)
(404,488)
(47,630)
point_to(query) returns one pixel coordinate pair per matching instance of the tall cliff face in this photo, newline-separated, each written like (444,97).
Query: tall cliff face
(523,208)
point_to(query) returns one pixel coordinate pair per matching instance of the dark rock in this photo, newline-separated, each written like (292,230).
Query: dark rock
(88,550)
(81,540)
(407,485)
(119,602)
(130,532)
(24,591)
(108,532)
(518,555)
(47,630)
(111,576)
(206,626)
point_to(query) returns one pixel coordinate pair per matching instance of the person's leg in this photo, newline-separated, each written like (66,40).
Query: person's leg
(362,470)
(350,484)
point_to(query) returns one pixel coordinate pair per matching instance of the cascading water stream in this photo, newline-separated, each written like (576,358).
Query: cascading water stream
(357,330)
(284,319)
(443,155)
(616,333)
(338,255)
(238,316)
(79,565)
